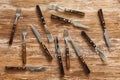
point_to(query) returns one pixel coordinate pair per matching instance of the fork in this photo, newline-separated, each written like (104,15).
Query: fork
(24,33)
(66,36)
(18,13)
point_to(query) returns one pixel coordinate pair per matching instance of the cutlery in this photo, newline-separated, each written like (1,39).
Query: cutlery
(38,36)
(75,23)
(18,13)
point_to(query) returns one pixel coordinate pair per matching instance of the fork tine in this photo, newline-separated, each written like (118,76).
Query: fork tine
(65,33)
(18,10)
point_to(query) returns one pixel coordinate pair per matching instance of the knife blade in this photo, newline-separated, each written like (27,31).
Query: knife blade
(38,36)
(58,8)
(75,23)
(102,21)
(49,35)
(25,68)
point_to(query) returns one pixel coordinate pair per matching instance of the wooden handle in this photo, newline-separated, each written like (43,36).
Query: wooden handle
(83,33)
(67,59)
(14,68)
(40,14)
(12,34)
(24,53)
(61,65)
(59,18)
(47,51)
(86,69)
(75,12)
(100,14)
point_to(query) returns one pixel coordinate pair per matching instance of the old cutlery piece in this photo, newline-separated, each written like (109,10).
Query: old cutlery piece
(102,56)
(75,23)
(57,48)
(67,49)
(61,9)
(49,35)
(24,33)
(18,13)
(80,57)
(24,68)
(106,36)
(38,36)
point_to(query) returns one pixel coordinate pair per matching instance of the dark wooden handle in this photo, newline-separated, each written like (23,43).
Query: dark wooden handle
(14,68)
(47,52)
(40,14)
(61,65)
(86,69)
(75,12)
(59,18)
(12,34)
(83,33)
(67,59)
(24,53)
(101,17)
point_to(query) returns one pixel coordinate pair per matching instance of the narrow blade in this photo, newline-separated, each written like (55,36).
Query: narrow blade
(107,38)
(77,24)
(54,7)
(37,34)
(35,68)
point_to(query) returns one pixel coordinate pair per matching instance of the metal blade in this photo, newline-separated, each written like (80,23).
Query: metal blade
(35,68)
(77,24)
(102,56)
(37,34)
(107,38)
(54,7)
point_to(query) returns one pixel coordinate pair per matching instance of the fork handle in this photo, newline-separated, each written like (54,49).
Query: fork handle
(67,59)
(24,53)
(75,12)
(60,18)
(12,34)
(46,51)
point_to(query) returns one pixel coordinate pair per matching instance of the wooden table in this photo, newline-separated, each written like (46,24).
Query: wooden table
(11,56)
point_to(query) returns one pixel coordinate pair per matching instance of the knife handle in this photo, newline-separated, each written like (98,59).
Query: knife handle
(60,18)
(47,52)
(40,14)
(24,53)
(83,33)
(61,65)
(84,65)
(12,34)
(14,68)
(101,17)
(67,59)
(75,12)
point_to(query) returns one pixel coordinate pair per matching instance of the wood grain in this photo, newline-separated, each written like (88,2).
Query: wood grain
(11,56)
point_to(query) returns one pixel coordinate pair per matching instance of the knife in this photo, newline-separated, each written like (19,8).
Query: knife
(81,59)
(38,36)
(49,35)
(57,8)
(102,56)
(106,36)
(24,68)
(57,48)
(75,23)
